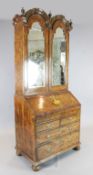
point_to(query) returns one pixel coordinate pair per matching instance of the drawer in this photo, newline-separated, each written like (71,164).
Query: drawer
(47,126)
(57,145)
(71,119)
(57,115)
(71,112)
(49,149)
(49,117)
(46,136)
(74,126)
(71,139)
(68,129)
(45,151)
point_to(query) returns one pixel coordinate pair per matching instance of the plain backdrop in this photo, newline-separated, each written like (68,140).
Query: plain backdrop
(80,84)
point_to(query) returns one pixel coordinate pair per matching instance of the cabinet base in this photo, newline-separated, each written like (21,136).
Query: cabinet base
(18,152)
(35,167)
(77,148)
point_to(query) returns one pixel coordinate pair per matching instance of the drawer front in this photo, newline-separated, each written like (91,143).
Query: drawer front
(58,115)
(72,112)
(68,129)
(58,145)
(46,136)
(71,139)
(71,119)
(47,126)
(49,117)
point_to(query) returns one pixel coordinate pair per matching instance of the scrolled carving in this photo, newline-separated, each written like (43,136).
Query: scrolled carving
(36,11)
(49,20)
(24,17)
(17,19)
(48,24)
(69,25)
(50,15)
(57,17)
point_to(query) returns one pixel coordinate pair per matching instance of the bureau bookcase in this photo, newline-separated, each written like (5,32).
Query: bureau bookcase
(47,115)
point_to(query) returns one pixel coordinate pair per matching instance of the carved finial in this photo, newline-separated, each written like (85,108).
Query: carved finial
(50,14)
(23,11)
(23,15)
(70,22)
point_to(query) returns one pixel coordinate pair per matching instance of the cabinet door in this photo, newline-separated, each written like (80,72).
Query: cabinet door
(35,69)
(59,56)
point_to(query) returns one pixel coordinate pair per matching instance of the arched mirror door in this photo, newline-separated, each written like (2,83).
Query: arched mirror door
(59,58)
(35,63)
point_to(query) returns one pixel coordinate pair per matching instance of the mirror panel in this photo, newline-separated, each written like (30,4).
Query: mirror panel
(59,58)
(35,64)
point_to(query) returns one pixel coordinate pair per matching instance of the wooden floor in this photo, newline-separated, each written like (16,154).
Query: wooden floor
(71,163)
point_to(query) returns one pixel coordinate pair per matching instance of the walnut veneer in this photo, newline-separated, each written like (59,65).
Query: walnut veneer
(48,127)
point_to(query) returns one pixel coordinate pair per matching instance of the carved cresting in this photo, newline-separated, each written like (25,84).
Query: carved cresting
(24,17)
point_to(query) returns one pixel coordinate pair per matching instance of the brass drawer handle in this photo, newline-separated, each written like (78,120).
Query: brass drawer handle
(60,132)
(49,149)
(60,141)
(48,136)
(49,125)
(70,129)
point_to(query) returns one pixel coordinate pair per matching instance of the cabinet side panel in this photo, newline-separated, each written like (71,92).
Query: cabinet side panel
(25,128)
(19,41)
(29,132)
(19,123)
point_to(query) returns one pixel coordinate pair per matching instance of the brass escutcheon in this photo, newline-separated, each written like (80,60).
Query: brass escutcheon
(54,100)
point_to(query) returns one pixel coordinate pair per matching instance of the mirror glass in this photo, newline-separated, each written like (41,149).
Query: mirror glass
(35,63)
(59,58)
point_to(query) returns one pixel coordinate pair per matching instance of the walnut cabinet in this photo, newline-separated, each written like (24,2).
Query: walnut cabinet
(47,115)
